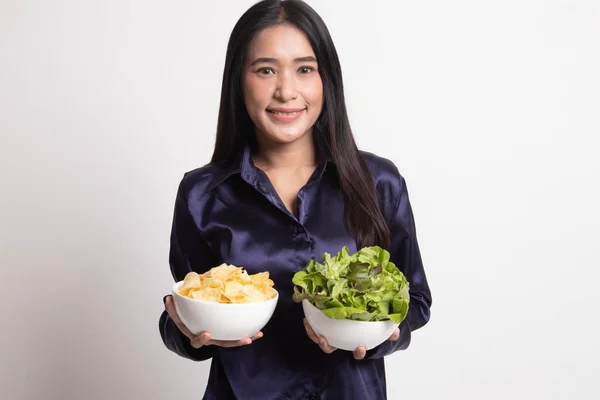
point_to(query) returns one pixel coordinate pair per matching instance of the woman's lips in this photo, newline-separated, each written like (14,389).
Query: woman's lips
(285,115)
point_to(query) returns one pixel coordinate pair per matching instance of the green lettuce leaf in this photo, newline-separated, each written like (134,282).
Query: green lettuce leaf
(365,286)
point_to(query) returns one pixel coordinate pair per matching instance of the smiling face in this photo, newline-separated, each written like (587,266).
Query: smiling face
(282,88)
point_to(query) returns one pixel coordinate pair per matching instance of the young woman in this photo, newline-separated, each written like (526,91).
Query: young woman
(286,184)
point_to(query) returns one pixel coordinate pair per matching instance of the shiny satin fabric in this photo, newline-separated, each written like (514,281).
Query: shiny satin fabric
(230,213)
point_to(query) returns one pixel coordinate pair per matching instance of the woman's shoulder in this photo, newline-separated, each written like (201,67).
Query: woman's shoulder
(202,180)
(383,170)
(389,183)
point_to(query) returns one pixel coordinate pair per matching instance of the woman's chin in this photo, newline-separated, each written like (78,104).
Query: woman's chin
(286,135)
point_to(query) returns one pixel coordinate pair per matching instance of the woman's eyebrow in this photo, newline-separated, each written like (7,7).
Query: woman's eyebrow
(261,60)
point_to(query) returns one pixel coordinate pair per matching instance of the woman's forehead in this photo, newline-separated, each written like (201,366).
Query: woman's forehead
(282,42)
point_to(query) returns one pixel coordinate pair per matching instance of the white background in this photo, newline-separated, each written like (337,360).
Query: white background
(491,110)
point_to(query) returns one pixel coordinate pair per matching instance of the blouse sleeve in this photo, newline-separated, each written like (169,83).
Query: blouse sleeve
(189,251)
(404,252)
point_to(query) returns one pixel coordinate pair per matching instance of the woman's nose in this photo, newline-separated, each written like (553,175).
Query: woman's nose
(286,88)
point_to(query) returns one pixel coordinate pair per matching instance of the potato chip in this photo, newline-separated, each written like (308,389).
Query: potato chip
(222,272)
(233,289)
(261,277)
(249,289)
(212,282)
(271,293)
(207,294)
(244,276)
(224,299)
(252,294)
(228,284)
(191,280)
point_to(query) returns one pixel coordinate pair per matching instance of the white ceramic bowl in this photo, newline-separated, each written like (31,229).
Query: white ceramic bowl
(347,334)
(223,321)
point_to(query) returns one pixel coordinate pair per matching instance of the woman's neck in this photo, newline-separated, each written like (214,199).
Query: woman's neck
(291,156)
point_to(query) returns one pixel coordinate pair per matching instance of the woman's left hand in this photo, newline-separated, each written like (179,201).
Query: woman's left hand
(359,353)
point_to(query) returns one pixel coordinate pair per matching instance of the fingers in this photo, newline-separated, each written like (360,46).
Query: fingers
(235,343)
(170,307)
(204,340)
(360,353)
(309,331)
(200,340)
(325,346)
(321,341)
(230,343)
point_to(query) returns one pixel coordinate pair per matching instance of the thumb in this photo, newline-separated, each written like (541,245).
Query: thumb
(200,340)
(360,353)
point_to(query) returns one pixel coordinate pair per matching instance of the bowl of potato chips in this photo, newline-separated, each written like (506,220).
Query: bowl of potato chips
(225,301)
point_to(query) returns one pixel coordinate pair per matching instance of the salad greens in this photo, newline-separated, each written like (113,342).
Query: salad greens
(364,286)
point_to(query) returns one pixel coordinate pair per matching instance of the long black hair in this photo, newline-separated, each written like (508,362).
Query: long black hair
(333,134)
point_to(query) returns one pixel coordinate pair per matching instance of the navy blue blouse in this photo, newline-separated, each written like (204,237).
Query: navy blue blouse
(230,213)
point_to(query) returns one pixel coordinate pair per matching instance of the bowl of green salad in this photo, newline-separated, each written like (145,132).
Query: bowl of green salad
(353,300)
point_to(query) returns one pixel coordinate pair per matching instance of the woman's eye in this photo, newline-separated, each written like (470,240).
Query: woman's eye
(306,70)
(266,71)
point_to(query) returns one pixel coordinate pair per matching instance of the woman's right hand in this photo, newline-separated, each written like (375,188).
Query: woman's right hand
(203,339)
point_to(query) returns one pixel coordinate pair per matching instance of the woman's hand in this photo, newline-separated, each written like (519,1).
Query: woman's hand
(203,339)
(359,353)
